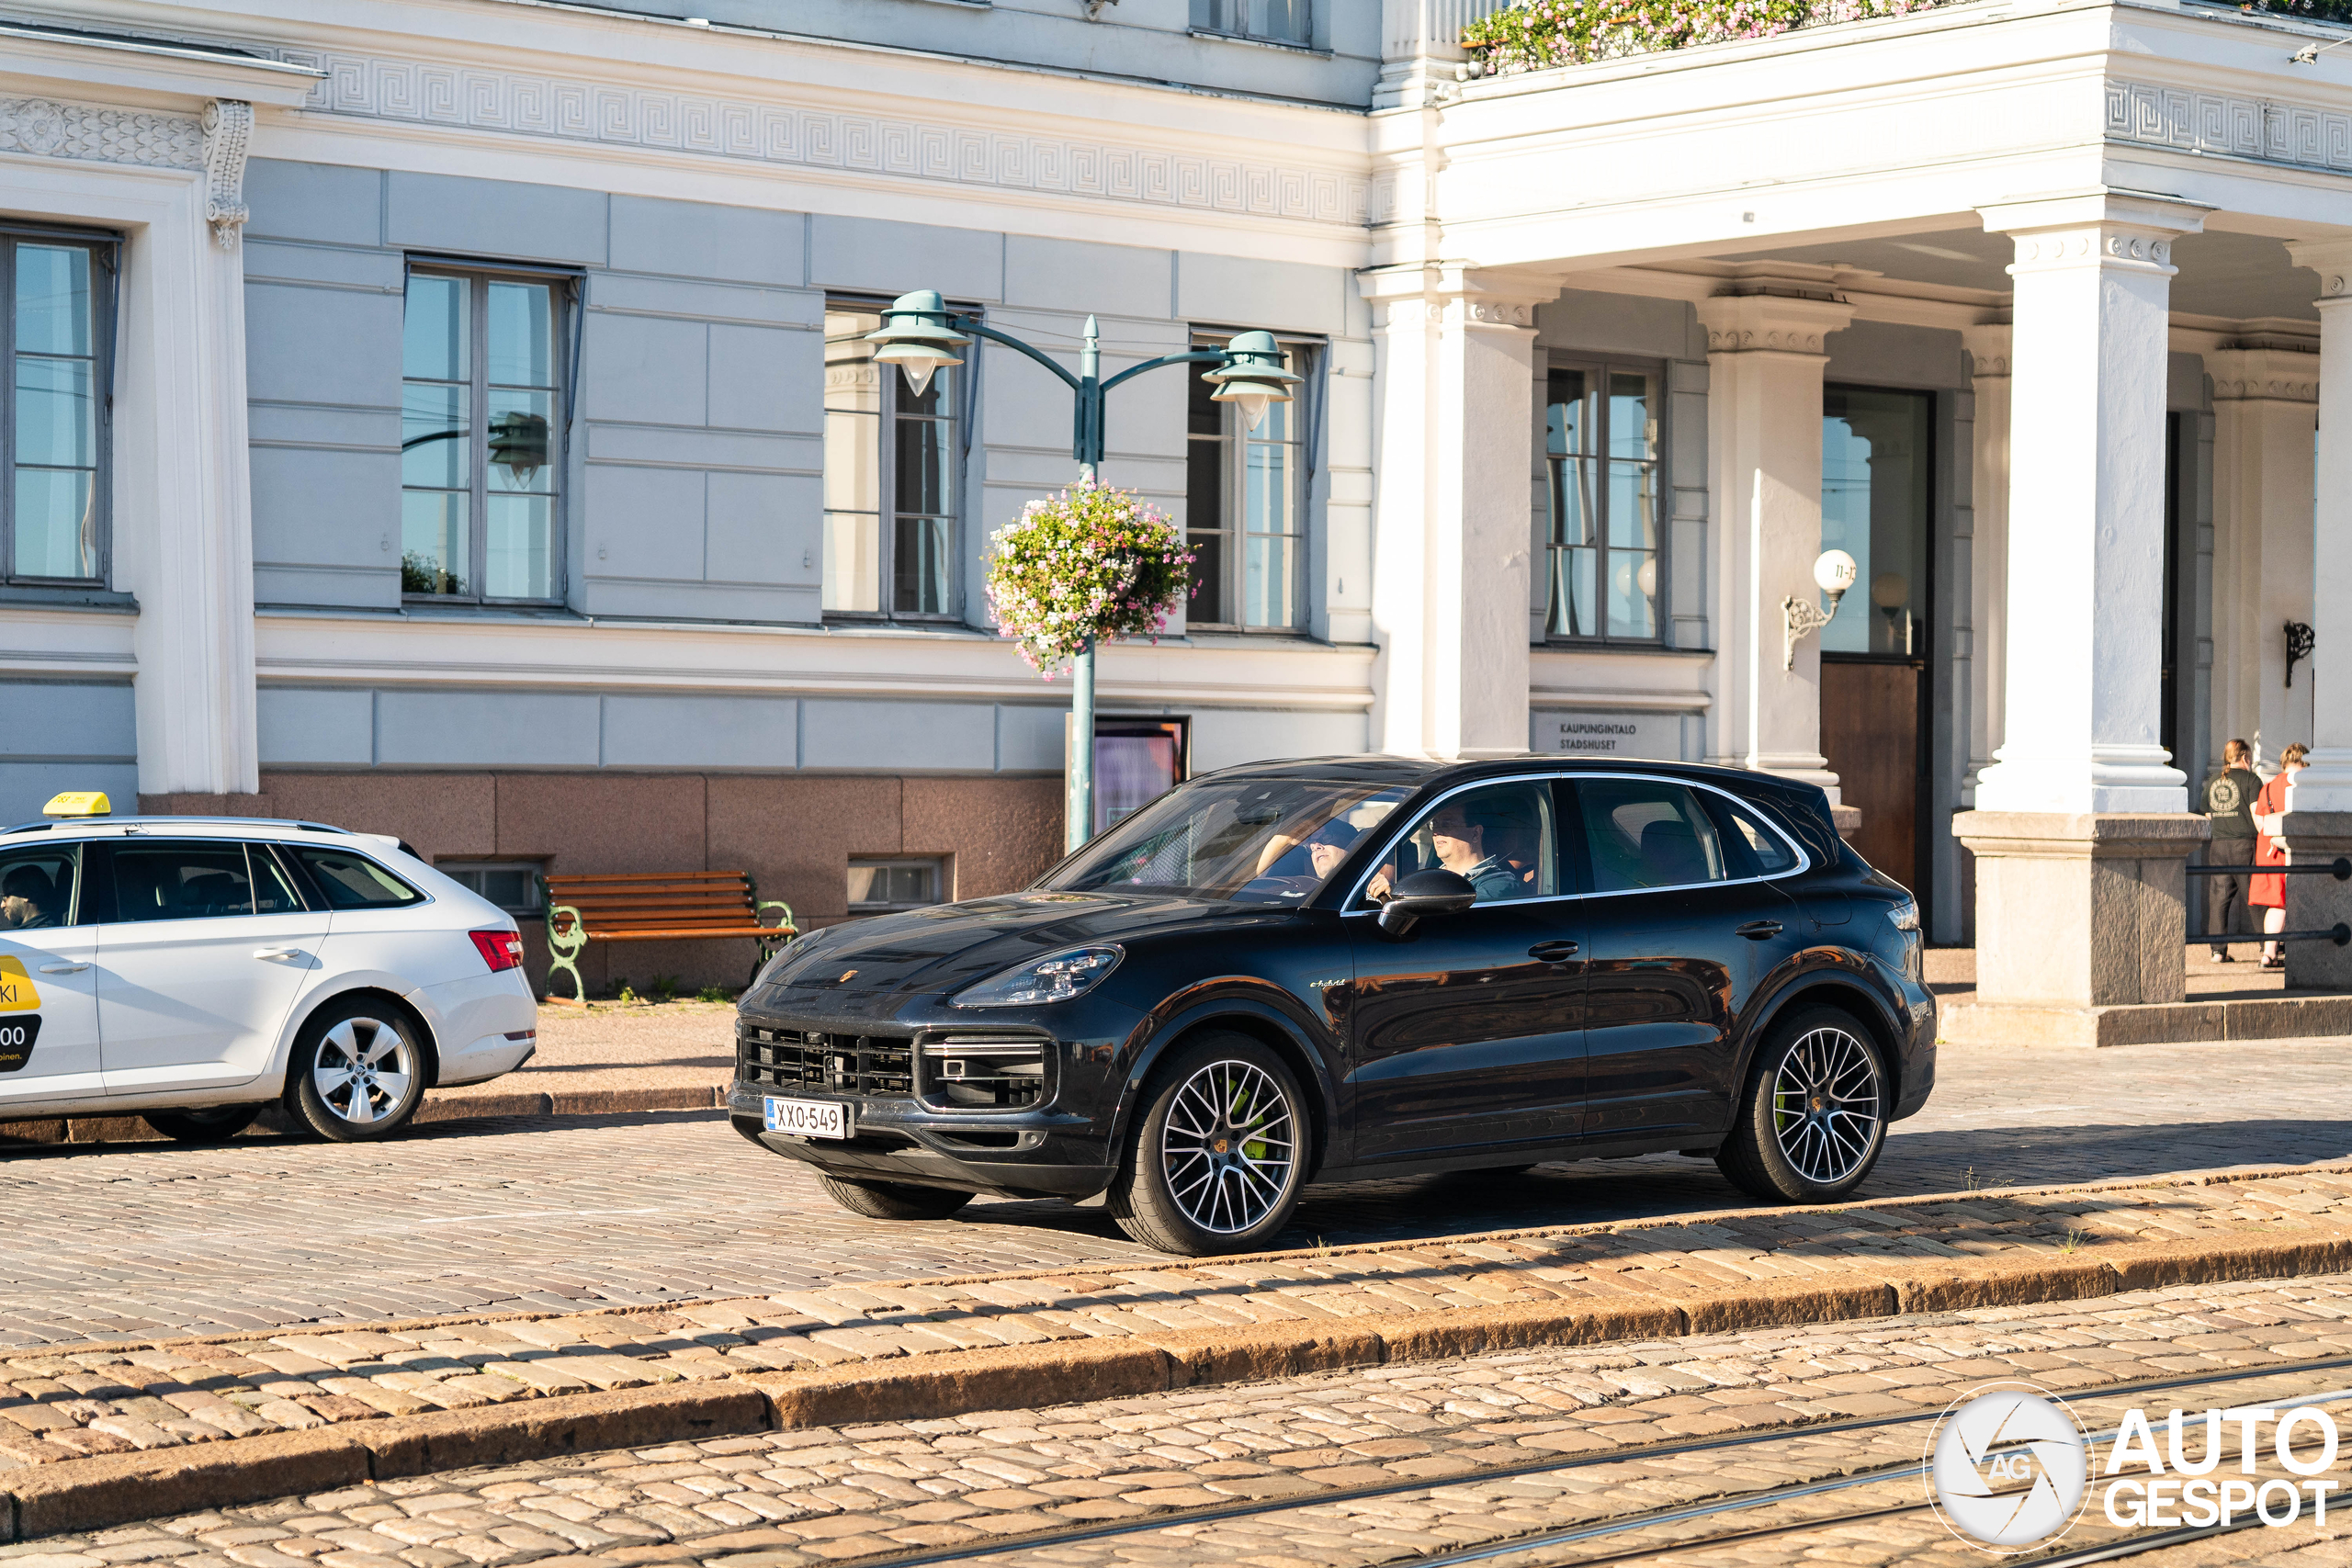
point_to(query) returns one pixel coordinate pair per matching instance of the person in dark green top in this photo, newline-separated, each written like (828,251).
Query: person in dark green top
(1461,848)
(2229,807)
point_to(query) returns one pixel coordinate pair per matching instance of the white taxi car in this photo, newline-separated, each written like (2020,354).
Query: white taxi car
(195,970)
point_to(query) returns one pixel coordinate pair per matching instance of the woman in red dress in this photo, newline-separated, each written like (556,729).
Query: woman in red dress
(2269,893)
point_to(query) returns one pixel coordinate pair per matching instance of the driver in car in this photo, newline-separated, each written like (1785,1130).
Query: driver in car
(1460,844)
(28,899)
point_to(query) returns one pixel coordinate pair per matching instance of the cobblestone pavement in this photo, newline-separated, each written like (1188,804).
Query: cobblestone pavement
(555,1213)
(1598,1422)
(76,1403)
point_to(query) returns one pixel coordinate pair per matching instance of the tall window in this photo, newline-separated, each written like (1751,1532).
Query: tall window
(1601,435)
(892,458)
(481,432)
(1275,21)
(1245,510)
(52,440)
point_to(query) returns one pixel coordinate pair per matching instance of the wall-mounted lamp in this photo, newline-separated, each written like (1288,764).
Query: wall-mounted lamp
(1835,572)
(2300,640)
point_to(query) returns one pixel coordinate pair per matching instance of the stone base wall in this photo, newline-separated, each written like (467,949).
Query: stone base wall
(795,834)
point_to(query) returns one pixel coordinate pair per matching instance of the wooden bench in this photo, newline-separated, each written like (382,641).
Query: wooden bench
(656,906)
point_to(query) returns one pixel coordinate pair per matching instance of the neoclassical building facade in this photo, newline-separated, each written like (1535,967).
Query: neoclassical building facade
(451,418)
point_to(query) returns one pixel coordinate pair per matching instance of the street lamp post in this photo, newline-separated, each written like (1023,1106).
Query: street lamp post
(920,334)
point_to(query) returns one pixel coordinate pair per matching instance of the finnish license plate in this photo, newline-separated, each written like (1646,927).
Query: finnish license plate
(808,1117)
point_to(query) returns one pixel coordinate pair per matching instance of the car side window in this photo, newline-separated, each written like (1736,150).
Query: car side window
(195,880)
(39,888)
(1754,848)
(273,890)
(1647,833)
(352,881)
(1503,837)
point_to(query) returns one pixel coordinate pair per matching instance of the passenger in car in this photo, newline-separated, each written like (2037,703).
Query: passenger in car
(28,899)
(1315,857)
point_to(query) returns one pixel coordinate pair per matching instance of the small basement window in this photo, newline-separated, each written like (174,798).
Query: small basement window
(513,889)
(878,887)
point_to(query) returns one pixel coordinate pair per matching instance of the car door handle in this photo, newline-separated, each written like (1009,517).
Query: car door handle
(277,953)
(1552,952)
(62,968)
(1759,930)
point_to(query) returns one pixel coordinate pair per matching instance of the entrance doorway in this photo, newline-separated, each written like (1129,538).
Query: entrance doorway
(1876,460)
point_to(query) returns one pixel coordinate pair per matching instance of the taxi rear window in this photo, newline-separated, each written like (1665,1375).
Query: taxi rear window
(352,881)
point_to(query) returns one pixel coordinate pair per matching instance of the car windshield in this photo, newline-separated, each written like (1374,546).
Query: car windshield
(1251,841)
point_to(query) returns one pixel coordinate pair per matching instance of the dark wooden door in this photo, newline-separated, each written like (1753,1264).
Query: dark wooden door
(1870,733)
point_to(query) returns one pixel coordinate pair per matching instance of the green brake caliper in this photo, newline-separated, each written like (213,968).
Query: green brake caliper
(1254,1148)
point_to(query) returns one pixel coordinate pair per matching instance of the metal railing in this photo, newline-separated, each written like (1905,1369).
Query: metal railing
(2339,933)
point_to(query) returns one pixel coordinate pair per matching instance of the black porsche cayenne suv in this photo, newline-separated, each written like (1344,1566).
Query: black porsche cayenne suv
(1351,967)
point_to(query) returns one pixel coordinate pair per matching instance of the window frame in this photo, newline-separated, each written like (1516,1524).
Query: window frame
(1571,832)
(100,903)
(954,396)
(457,870)
(1233,439)
(567,302)
(1662,489)
(1220,8)
(77,904)
(935,864)
(313,886)
(106,292)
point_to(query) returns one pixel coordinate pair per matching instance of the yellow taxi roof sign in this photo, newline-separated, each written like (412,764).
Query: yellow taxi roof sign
(79,802)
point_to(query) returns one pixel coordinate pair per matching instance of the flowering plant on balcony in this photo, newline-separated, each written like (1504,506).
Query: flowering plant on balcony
(1535,35)
(2318,10)
(1091,563)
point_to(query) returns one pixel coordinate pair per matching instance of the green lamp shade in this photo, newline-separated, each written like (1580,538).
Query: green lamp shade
(915,336)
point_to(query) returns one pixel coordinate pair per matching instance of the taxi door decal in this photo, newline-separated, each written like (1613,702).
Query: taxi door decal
(19,1023)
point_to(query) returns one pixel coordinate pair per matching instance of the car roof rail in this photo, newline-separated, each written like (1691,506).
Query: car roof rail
(167,821)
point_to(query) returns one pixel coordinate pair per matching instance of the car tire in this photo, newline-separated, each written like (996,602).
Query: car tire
(1219,1151)
(893,1200)
(358,1070)
(1813,1121)
(212,1125)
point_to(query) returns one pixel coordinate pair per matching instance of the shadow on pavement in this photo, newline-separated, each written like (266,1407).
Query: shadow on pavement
(1667,1186)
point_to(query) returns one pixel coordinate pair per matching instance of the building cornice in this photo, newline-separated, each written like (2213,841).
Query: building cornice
(325,647)
(89,64)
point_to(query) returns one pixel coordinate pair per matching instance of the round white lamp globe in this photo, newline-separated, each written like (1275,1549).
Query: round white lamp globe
(1835,571)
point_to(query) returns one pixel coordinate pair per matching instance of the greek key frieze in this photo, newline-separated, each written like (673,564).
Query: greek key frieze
(2220,122)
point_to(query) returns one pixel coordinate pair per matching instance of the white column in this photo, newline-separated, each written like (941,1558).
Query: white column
(2264,403)
(2326,785)
(1765,357)
(1988,352)
(2087,502)
(184,545)
(1451,541)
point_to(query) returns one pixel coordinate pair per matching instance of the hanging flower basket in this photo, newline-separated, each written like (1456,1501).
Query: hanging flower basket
(1091,563)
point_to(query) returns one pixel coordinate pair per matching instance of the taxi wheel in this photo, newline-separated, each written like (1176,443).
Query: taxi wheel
(357,1073)
(1219,1152)
(893,1200)
(1813,1122)
(213,1124)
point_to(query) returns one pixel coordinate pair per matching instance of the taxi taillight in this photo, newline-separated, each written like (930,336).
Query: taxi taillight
(499,950)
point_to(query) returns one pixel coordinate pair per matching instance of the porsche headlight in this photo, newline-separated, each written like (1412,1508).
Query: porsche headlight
(1057,977)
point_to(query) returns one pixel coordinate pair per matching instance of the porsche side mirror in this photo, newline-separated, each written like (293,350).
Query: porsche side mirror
(1421,895)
